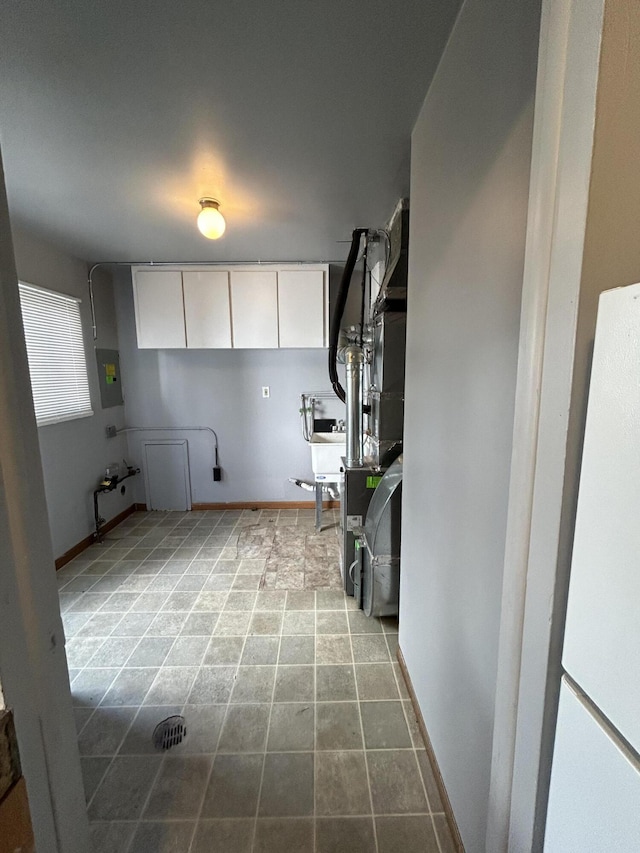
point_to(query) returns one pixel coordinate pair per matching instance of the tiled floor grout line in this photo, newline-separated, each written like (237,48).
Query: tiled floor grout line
(139,707)
(224,718)
(182,705)
(397,674)
(164,760)
(86,665)
(271,751)
(403,705)
(228,702)
(266,738)
(315,718)
(92,715)
(206,785)
(364,745)
(117,750)
(435,832)
(356,816)
(161,764)
(420,776)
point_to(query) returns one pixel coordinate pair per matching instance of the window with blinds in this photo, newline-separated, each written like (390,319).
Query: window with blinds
(55,349)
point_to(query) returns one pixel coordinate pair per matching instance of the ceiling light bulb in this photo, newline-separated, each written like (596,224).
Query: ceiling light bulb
(210,221)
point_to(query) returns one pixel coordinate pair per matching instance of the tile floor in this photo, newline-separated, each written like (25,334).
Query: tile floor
(296,556)
(300,735)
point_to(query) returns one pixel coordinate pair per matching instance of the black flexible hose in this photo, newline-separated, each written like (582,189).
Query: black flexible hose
(338,311)
(363,288)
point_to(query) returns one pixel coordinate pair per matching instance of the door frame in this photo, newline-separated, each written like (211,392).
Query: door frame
(33,663)
(545,455)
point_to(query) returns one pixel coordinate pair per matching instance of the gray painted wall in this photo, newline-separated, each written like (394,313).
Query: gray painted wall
(75,453)
(260,440)
(471,152)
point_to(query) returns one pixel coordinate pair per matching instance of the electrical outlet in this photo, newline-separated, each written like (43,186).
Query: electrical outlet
(111,431)
(265,391)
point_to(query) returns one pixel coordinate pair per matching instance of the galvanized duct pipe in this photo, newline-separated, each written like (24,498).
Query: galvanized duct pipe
(354,361)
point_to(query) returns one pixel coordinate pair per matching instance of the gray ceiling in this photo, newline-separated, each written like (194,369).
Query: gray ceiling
(117,115)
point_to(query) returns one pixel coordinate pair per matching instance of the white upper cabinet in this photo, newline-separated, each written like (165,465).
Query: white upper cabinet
(243,306)
(301,308)
(254,308)
(207,314)
(159,309)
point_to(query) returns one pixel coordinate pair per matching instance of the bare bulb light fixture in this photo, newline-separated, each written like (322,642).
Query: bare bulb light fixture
(210,221)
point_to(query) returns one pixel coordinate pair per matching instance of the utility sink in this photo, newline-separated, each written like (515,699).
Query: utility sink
(327,450)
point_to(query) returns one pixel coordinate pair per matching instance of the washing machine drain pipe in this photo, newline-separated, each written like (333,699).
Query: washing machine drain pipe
(311,487)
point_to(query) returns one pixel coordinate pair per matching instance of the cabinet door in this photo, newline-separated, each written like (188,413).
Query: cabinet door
(254,309)
(207,312)
(301,312)
(159,309)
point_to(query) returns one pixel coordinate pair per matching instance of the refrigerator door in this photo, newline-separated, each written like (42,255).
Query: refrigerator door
(602,636)
(595,786)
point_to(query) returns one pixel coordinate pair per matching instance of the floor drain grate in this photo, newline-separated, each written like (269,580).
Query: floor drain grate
(169,732)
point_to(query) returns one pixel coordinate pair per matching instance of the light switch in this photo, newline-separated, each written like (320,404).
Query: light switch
(265,391)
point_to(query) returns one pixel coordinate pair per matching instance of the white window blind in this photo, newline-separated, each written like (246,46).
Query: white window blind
(55,349)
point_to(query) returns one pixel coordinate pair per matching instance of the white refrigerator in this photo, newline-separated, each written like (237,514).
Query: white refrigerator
(594,802)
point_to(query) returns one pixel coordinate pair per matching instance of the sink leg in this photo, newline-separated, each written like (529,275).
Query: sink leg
(318,507)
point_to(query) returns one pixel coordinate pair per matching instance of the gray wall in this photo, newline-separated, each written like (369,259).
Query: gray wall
(75,453)
(471,151)
(260,440)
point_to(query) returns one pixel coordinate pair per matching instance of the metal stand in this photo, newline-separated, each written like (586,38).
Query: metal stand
(318,507)
(320,486)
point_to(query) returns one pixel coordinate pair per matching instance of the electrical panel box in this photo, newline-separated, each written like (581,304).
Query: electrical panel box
(109,377)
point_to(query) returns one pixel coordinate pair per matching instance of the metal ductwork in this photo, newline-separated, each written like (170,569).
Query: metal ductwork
(354,362)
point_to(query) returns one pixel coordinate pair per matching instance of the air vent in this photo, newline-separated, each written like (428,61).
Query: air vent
(169,732)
